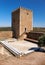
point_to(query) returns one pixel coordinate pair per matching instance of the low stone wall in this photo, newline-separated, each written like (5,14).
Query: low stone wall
(5,34)
(31,35)
(34,35)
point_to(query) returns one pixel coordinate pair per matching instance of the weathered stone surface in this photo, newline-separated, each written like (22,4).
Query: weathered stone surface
(5,34)
(21,21)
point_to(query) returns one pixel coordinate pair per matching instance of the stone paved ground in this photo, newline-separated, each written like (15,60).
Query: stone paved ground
(21,45)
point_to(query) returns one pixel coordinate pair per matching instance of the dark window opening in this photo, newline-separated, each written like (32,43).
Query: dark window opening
(27,13)
(25,29)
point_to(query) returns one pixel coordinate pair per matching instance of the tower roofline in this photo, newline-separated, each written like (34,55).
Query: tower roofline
(21,8)
(25,8)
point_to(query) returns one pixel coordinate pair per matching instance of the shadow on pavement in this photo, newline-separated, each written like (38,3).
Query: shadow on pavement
(37,49)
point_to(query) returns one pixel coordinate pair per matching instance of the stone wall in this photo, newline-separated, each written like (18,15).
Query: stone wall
(21,21)
(5,34)
(15,23)
(25,20)
(35,35)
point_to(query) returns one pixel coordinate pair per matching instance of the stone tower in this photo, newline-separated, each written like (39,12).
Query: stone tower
(21,21)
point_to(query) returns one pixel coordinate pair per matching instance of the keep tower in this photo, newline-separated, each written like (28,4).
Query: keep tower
(21,21)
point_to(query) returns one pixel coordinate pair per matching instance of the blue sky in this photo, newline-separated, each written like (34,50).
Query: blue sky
(37,6)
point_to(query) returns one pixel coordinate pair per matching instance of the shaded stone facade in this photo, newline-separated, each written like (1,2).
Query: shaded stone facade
(21,21)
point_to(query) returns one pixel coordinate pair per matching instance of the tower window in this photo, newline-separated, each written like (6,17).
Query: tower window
(27,13)
(25,29)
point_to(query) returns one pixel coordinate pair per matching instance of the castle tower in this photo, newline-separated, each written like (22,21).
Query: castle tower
(21,21)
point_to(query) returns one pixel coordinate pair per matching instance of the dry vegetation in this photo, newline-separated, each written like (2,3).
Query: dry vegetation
(37,29)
